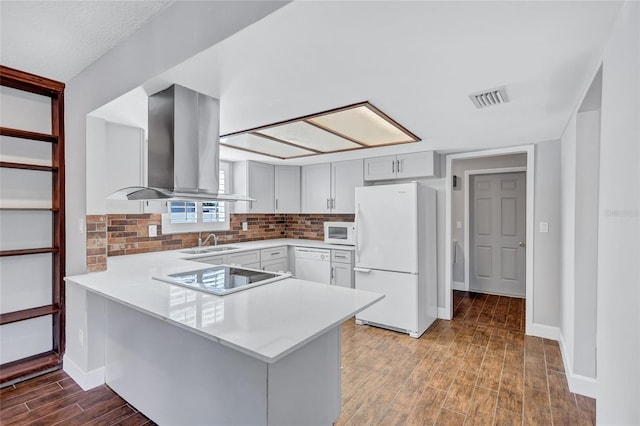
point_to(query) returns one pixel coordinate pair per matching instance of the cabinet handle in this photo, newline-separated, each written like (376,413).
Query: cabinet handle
(332,273)
(333,203)
(393,166)
(273,254)
(328,203)
(398,161)
(276,204)
(340,257)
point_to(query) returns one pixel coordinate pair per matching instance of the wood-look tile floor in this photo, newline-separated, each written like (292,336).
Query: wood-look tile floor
(478,369)
(55,399)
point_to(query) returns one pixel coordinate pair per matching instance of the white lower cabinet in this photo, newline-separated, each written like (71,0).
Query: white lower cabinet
(274,259)
(342,268)
(250,259)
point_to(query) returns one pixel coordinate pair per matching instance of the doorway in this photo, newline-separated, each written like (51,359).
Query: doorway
(496,230)
(459,168)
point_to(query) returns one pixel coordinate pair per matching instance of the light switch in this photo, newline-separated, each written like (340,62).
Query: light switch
(153,230)
(459,224)
(544,226)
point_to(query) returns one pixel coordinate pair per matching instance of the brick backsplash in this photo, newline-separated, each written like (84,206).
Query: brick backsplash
(96,243)
(121,234)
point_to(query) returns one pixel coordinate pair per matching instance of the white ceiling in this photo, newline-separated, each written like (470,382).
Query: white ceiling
(58,39)
(417,61)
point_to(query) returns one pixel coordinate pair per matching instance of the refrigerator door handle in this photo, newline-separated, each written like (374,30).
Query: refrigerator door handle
(357,232)
(365,270)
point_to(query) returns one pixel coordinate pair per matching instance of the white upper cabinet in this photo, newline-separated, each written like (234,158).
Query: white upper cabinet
(345,177)
(402,166)
(380,168)
(330,187)
(316,188)
(255,180)
(287,189)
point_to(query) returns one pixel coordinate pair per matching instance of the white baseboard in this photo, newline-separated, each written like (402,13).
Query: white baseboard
(578,383)
(544,331)
(86,380)
(443,313)
(458,285)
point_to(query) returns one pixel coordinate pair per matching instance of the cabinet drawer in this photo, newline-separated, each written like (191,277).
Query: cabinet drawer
(273,253)
(341,256)
(246,258)
(251,265)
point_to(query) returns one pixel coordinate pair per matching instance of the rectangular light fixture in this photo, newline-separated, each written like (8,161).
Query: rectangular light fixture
(352,127)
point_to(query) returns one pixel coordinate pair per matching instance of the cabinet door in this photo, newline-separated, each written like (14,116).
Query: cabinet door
(345,177)
(287,189)
(417,164)
(247,258)
(341,275)
(260,179)
(275,265)
(316,188)
(380,168)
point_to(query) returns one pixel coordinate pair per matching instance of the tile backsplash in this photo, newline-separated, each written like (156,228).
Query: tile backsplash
(121,234)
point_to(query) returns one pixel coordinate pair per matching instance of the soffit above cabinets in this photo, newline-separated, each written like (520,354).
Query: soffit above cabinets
(352,127)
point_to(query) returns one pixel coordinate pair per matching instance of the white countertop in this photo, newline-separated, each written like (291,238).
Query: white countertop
(267,322)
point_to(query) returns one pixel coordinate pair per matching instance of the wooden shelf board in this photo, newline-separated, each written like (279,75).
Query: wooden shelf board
(51,209)
(28,366)
(26,314)
(23,252)
(25,134)
(25,166)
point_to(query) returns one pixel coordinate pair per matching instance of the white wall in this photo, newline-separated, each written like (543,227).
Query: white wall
(547,265)
(148,52)
(568,205)
(586,242)
(618,321)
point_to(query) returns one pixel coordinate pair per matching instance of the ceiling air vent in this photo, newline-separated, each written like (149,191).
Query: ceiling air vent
(489,98)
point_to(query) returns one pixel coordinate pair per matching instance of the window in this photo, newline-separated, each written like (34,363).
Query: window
(191,216)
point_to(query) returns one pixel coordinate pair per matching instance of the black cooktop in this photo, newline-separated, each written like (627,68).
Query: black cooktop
(222,279)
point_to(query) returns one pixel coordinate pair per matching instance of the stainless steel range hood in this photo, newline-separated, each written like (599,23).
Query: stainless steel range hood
(183,149)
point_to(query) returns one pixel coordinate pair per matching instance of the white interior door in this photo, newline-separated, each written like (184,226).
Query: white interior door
(497,232)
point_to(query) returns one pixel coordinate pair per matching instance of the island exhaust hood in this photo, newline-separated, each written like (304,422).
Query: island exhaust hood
(183,149)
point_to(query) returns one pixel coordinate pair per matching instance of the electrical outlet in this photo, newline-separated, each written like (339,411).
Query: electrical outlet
(459,224)
(81,338)
(245,226)
(544,226)
(153,230)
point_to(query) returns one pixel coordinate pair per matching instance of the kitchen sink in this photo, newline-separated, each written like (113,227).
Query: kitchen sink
(200,250)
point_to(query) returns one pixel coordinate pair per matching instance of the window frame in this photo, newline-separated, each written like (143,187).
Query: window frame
(183,228)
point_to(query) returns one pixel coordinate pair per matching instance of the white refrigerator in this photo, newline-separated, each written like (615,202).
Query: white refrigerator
(396,255)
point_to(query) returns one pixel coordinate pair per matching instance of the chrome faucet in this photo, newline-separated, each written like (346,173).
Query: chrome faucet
(201,243)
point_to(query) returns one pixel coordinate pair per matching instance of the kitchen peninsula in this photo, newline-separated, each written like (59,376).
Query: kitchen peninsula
(266,355)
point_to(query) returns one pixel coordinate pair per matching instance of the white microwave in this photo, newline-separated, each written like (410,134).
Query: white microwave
(340,233)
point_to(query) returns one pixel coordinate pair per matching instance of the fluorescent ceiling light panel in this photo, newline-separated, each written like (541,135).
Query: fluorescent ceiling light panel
(260,145)
(309,136)
(348,128)
(365,125)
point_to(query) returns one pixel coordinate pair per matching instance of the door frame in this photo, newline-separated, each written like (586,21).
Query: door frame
(447,311)
(467,210)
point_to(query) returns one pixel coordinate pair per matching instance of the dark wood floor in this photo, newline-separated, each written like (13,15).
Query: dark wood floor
(479,368)
(55,399)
